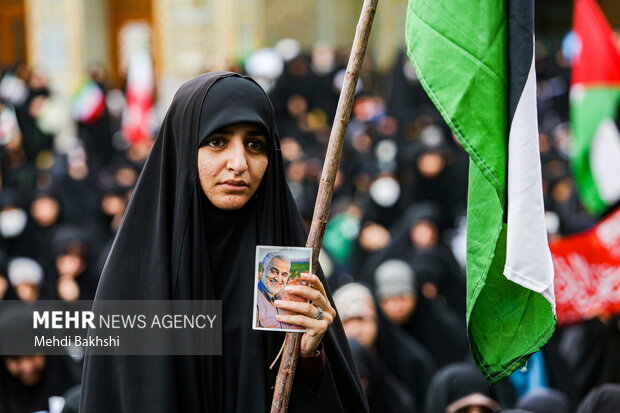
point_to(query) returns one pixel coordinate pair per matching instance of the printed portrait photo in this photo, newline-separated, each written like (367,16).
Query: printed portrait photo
(277,267)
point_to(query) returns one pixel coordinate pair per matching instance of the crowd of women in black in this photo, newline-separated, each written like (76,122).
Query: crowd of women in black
(393,249)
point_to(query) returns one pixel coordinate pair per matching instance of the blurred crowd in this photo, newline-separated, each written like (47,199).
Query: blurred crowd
(393,251)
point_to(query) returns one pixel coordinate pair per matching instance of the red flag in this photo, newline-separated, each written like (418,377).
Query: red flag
(598,59)
(587,272)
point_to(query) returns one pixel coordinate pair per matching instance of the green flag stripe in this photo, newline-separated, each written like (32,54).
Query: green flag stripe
(589,106)
(475,69)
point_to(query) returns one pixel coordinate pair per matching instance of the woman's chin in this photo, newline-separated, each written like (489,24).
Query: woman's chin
(230,202)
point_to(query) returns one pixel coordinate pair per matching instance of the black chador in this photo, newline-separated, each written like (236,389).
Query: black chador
(174,244)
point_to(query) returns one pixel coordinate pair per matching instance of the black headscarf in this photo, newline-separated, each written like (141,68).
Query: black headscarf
(590,349)
(545,400)
(452,383)
(603,399)
(174,244)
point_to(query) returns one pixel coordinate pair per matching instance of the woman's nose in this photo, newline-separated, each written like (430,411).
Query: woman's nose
(236,157)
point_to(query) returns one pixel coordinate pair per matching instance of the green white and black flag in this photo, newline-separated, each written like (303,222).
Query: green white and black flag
(475,59)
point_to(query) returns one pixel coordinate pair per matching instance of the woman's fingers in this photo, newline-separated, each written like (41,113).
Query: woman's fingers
(315,330)
(316,296)
(313,281)
(304,313)
(306,309)
(315,327)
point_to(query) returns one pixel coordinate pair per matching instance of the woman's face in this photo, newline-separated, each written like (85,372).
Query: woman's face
(423,234)
(398,308)
(364,330)
(28,369)
(231,164)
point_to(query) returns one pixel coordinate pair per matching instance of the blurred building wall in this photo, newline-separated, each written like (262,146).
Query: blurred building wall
(56,39)
(187,37)
(192,36)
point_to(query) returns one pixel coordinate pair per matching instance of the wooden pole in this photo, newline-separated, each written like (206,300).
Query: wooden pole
(286,373)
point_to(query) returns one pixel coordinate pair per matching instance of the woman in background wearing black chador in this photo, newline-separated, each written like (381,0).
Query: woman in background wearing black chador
(184,238)
(28,382)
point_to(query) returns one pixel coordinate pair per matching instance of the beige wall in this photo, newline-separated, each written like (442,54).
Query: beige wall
(191,36)
(334,21)
(195,35)
(96,47)
(294,19)
(388,34)
(64,36)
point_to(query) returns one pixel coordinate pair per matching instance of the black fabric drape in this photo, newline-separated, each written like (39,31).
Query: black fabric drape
(173,244)
(439,330)
(405,358)
(384,391)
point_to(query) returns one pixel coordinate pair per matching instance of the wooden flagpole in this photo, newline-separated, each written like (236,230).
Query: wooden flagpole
(286,373)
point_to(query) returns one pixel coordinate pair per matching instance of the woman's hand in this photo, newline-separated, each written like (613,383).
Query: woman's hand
(307,312)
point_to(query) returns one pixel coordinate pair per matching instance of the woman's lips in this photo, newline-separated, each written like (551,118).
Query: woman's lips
(234,185)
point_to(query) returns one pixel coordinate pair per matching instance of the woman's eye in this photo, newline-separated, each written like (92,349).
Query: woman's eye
(256,145)
(215,142)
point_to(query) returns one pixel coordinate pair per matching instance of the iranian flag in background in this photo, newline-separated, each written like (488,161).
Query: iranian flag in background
(88,103)
(595,95)
(475,59)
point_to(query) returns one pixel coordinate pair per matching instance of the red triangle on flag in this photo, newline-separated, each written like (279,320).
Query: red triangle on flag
(597,62)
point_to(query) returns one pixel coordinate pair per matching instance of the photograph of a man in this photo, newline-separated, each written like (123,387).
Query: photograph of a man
(273,275)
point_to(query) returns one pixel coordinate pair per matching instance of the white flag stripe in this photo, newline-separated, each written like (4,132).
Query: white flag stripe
(605,161)
(528,259)
(140,75)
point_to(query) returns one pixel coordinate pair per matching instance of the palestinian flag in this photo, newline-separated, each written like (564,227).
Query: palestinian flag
(475,59)
(88,104)
(594,96)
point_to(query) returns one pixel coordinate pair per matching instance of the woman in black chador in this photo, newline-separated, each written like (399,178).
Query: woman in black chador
(212,189)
